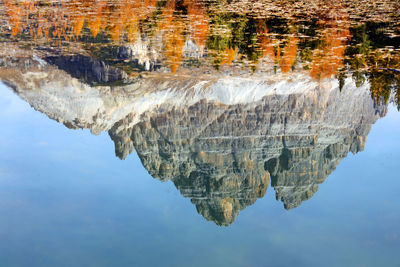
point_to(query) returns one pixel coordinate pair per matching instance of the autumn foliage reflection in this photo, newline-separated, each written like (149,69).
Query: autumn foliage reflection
(119,21)
(328,58)
(320,47)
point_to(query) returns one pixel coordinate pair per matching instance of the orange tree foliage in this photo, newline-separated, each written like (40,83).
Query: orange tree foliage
(225,37)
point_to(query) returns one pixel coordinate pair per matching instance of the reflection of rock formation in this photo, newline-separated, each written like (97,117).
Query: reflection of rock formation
(221,156)
(220,140)
(221,177)
(88,69)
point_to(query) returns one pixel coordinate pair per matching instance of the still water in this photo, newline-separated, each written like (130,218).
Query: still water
(199,133)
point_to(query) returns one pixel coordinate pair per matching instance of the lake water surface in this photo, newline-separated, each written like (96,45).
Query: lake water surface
(199,133)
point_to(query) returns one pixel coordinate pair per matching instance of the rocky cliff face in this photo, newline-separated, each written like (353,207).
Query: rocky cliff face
(223,156)
(221,140)
(93,71)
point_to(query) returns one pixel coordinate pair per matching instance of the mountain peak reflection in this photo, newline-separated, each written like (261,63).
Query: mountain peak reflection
(223,102)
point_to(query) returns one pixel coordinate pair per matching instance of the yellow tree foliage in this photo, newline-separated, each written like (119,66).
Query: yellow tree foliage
(198,21)
(173,45)
(328,58)
(289,55)
(229,55)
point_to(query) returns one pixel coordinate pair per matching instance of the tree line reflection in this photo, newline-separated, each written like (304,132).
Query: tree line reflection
(329,44)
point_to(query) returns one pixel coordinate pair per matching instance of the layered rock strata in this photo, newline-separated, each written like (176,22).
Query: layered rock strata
(221,140)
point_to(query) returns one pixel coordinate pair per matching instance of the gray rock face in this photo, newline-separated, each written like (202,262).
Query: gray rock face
(92,71)
(221,141)
(223,156)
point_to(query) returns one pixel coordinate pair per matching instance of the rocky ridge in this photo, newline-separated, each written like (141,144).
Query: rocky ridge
(221,140)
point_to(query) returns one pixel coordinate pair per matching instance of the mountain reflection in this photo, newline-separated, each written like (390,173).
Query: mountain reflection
(223,157)
(220,141)
(223,100)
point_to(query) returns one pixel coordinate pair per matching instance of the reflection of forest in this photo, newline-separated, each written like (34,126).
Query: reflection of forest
(221,139)
(331,42)
(199,131)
